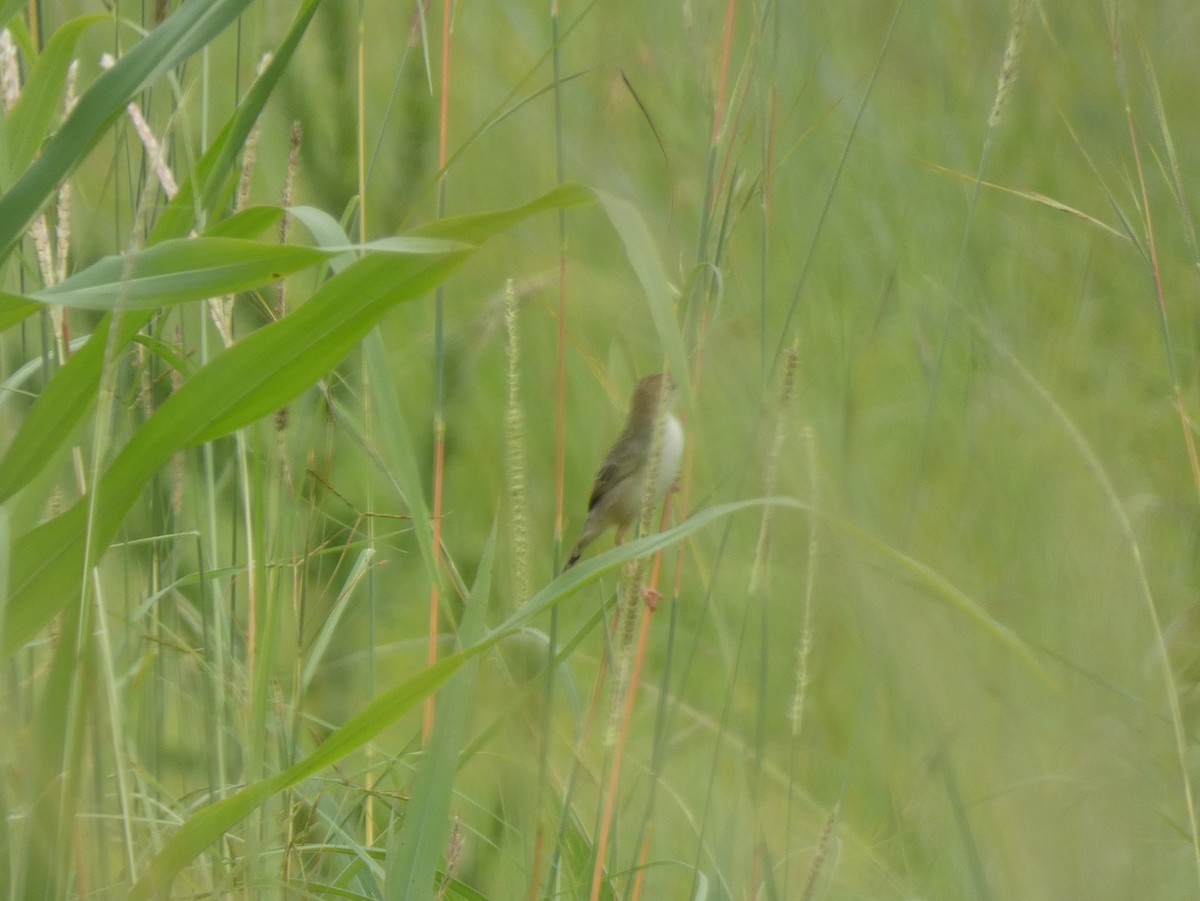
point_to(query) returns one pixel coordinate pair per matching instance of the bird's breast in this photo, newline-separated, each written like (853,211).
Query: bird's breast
(671,456)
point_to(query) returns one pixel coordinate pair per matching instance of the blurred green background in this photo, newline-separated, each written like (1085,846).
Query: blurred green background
(993,305)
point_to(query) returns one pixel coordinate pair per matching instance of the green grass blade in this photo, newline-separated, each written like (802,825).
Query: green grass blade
(944,588)
(252,222)
(4,569)
(270,368)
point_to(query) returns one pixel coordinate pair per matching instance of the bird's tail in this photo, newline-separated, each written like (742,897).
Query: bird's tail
(576,553)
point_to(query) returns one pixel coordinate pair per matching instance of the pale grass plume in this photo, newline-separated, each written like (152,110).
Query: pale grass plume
(821,855)
(63,213)
(52,260)
(250,150)
(1008,70)
(285,201)
(249,157)
(515,461)
(155,150)
(10,88)
(771,469)
(453,856)
(221,308)
(10,72)
(41,245)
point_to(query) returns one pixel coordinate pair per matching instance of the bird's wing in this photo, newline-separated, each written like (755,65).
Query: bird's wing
(619,466)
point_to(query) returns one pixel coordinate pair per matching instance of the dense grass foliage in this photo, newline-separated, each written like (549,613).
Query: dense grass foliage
(317,319)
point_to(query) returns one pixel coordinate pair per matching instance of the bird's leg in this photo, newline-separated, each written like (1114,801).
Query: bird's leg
(652,595)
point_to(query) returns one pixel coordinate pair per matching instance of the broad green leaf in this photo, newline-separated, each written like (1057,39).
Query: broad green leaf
(184,32)
(255,377)
(326,230)
(271,367)
(40,103)
(177,272)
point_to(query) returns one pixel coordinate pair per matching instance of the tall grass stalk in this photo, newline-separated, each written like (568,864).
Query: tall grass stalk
(560,452)
(439,391)
(370,423)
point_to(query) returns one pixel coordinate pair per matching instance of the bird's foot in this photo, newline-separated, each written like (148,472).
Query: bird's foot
(651,596)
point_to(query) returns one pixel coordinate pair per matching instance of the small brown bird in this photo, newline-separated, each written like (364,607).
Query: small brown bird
(621,482)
